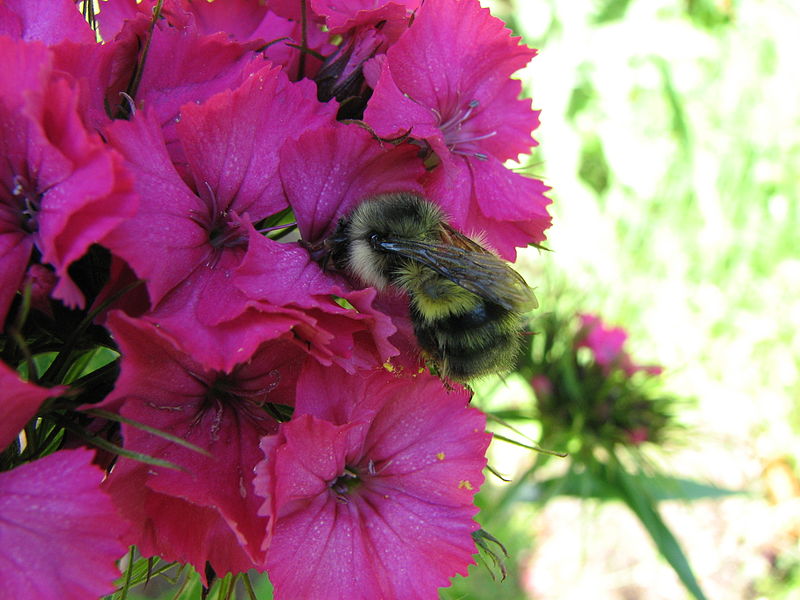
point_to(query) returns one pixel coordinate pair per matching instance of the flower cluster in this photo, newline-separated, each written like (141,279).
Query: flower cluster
(589,392)
(252,410)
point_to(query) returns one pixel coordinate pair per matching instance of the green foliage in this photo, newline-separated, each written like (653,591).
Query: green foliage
(155,579)
(610,10)
(593,168)
(669,138)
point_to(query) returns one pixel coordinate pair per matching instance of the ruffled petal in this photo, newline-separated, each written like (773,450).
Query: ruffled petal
(60,531)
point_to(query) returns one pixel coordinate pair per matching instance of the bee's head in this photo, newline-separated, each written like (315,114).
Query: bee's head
(362,241)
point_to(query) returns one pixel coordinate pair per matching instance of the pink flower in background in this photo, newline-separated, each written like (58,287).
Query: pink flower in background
(19,402)
(606,344)
(459,98)
(369,488)
(61,188)
(542,385)
(61,534)
(221,412)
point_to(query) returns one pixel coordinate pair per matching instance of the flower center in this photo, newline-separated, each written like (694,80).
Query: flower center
(246,397)
(345,483)
(459,135)
(28,201)
(223,232)
(223,228)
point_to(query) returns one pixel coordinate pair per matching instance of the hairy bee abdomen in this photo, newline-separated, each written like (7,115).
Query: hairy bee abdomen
(480,341)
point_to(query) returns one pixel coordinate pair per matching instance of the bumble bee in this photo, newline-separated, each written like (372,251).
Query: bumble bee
(466,303)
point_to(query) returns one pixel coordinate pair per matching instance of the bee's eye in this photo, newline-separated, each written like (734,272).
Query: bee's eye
(375,241)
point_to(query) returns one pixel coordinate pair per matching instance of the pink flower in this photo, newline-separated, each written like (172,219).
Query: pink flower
(542,385)
(367,29)
(19,402)
(369,488)
(459,99)
(60,532)
(61,188)
(232,141)
(607,346)
(220,287)
(638,435)
(224,413)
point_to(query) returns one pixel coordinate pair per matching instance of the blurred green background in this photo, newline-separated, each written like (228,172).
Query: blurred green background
(671,138)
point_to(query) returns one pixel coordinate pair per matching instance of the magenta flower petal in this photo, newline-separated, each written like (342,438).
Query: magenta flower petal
(508,209)
(60,532)
(344,14)
(91,65)
(329,170)
(460,99)
(164,220)
(19,402)
(15,250)
(182,66)
(240,19)
(607,345)
(48,21)
(232,139)
(213,320)
(86,204)
(283,275)
(368,502)
(61,186)
(176,530)
(221,314)
(163,387)
(284,280)
(472,105)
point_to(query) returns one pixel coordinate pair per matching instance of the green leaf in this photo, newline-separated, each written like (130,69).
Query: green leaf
(660,487)
(611,10)
(583,94)
(104,414)
(593,168)
(580,484)
(644,507)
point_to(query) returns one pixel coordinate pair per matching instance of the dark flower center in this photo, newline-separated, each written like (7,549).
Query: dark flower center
(28,202)
(346,482)
(459,135)
(246,397)
(223,228)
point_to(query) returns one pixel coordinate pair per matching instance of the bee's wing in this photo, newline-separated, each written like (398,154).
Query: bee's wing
(470,266)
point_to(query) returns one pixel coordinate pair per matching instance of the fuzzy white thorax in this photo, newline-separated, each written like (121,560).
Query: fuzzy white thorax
(366,264)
